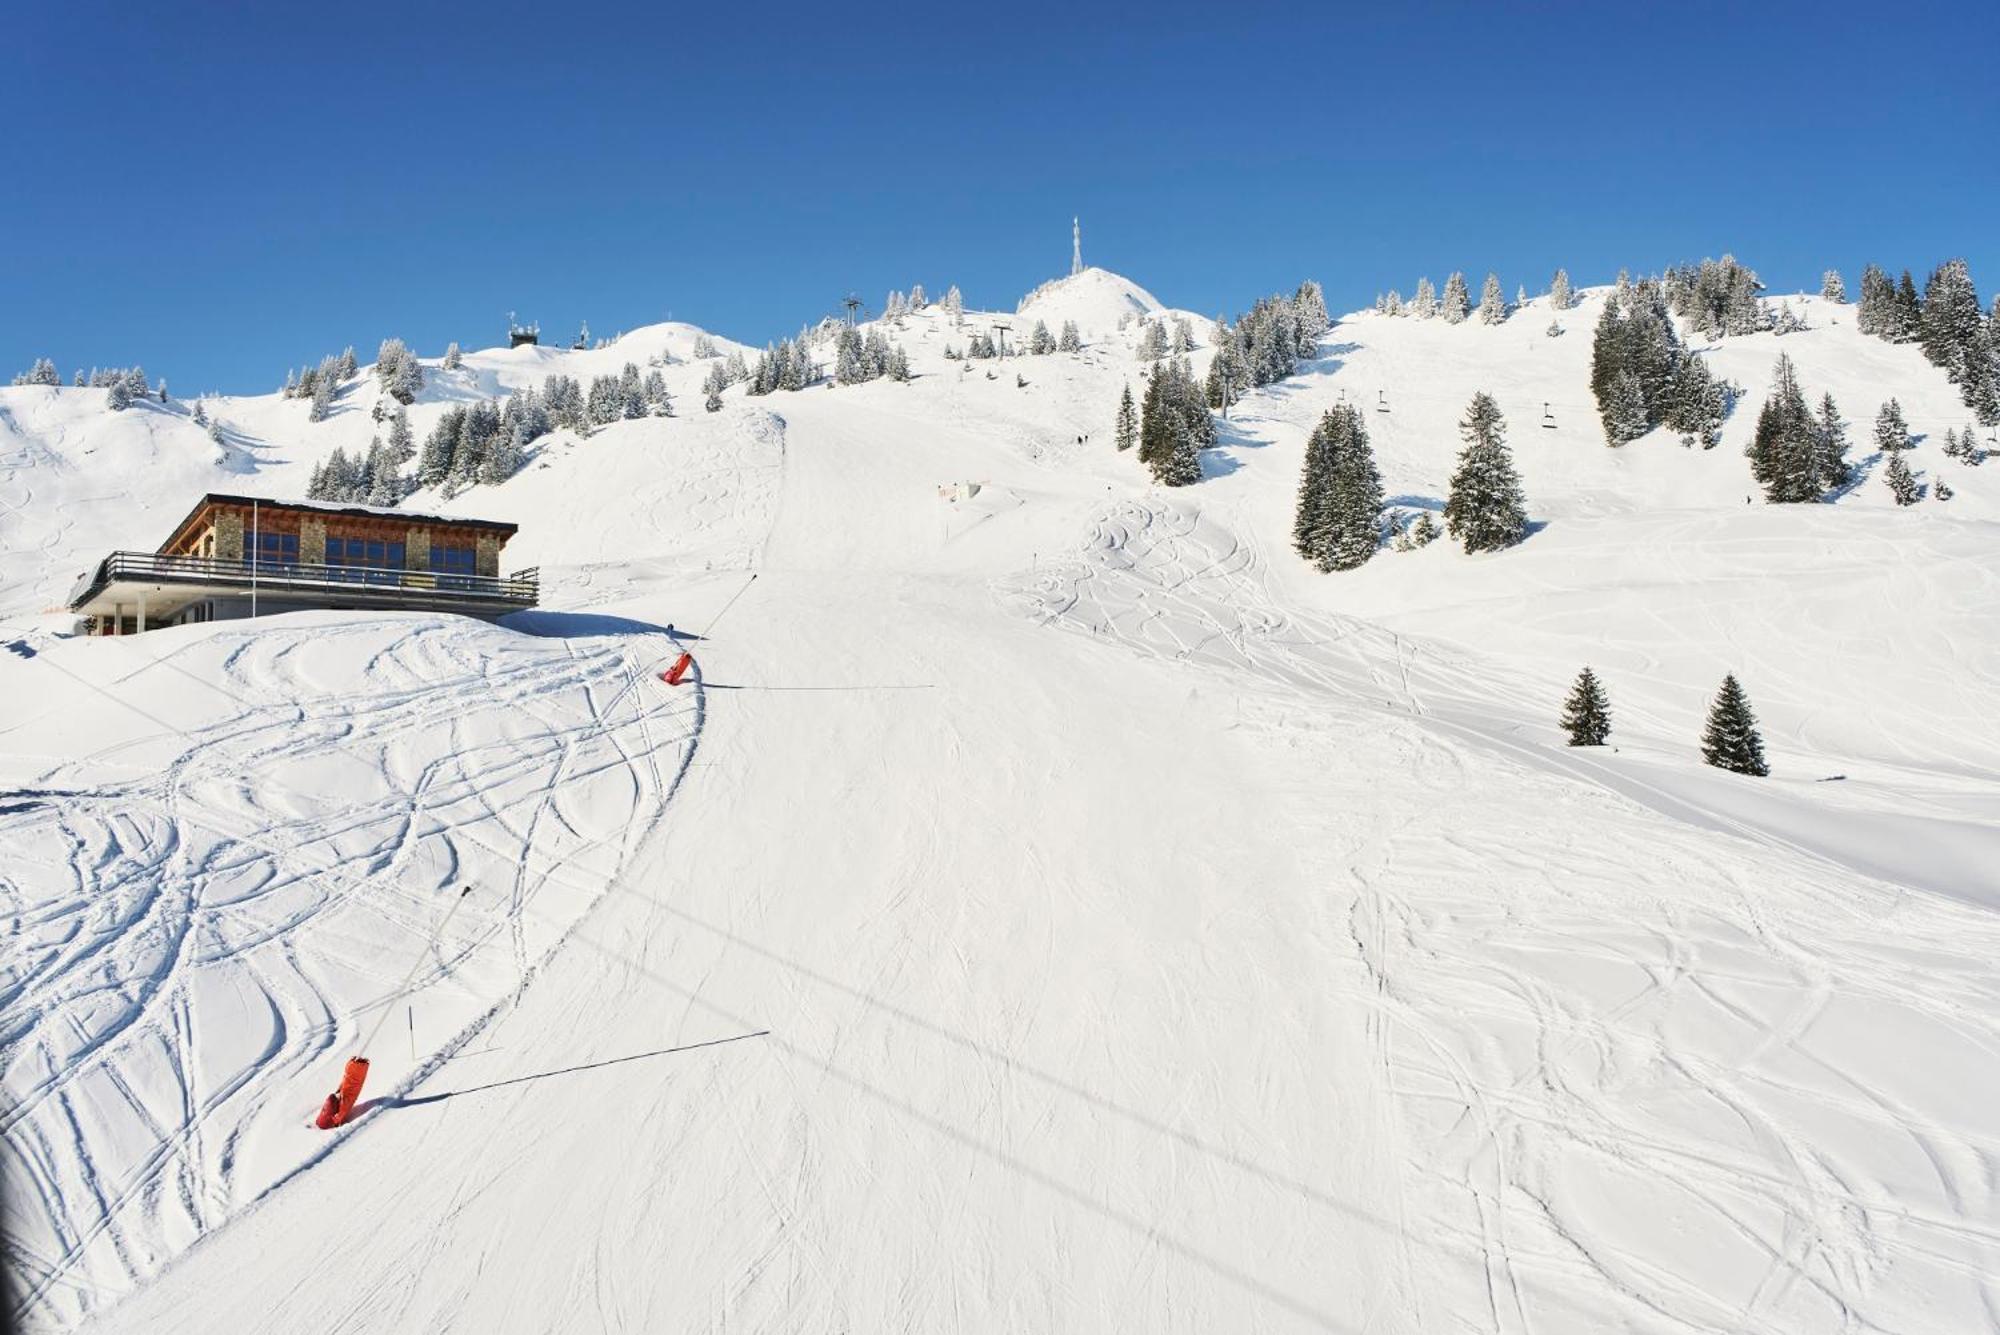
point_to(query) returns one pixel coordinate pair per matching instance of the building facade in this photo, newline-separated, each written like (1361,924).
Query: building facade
(239,556)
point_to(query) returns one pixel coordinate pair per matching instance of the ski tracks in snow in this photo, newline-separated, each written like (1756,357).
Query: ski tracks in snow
(1630,1077)
(199,928)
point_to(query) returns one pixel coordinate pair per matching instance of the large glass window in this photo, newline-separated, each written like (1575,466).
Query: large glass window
(366,559)
(277,549)
(453,561)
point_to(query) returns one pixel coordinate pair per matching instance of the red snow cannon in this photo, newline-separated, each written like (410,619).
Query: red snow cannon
(672,676)
(339,1105)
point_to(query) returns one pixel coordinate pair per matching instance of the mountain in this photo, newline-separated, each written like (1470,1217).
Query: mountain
(1098,300)
(1054,906)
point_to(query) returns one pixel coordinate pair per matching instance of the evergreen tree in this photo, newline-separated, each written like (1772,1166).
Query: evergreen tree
(899,364)
(1830,465)
(1485,509)
(1560,296)
(397,369)
(1909,310)
(1941,491)
(1071,340)
(1040,341)
(503,456)
(121,396)
(1492,301)
(713,403)
(1730,741)
(954,306)
(1784,454)
(1126,432)
(1424,304)
(349,368)
(1903,484)
(200,414)
(1457,302)
(1153,343)
(453,358)
(1625,413)
(1586,715)
(1832,288)
(1892,434)
(1339,521)
(1951,322)
(1876,313)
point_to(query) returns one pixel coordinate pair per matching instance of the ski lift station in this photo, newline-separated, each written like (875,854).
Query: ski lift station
(244,556)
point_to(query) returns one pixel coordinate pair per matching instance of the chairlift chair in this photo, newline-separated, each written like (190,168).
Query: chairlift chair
(1548,418)
(1381,400)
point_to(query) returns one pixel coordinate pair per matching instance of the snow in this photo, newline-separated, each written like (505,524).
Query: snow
(1052,909)
(1098,300)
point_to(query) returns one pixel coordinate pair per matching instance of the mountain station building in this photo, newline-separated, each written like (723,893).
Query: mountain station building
(242,556)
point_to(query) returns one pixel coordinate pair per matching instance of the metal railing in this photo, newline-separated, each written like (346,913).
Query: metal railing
(521,589)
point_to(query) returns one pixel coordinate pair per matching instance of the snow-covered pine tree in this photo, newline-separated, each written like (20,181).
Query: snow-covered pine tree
(954,306)
(1696,404)
(1338,524)
(1520,295)
(1730,741)
(899,364)
(503,456)
(1485,509)
(1909,309)
(1457,302)
(1125,430)
(1892,433)
(120,397)
(1492,301)
(1876,313)
(1952,324)
(1424,304)
(1071,340)
(322,398)
(1422,533)
(1831,288)
(1903,484)
(1393,303)
(1784,452)
(349,367)
(1624,412)
(1586,715)
(1309,519)
(1830,467)
(1153,343)
(917,298)
(1560,296)
(713,403)
(453,358)
(200,414)
(1040,341)
(397,369)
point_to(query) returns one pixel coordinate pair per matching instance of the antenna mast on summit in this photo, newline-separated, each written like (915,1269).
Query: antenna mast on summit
(1075,246)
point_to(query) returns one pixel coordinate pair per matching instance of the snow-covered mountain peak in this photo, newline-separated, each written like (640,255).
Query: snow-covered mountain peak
(1096,299)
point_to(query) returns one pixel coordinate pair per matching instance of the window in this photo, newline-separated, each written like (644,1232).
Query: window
(277,549)
(453,561)
(362,558)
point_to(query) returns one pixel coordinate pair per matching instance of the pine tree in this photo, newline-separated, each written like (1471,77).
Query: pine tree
(1040,341)
(1951,322)
(1909,310)
(1126,430)
(1485,510)
(1625,414)
(1153,343)
(1424,304)
(1832,288)
(503,457)
(1492,301)
(1876,313)
(200,414)
(1730,741)
(1338,525)
(453,358)
(713,403)
(1903,484)
(349,368)
(1784,453)
(1560,296)
(1457,303)
(1941,491)
(121,396)
(1892,434)
(954,306)
(1071,340)
(1830,465)
(1586,715)
(899,364)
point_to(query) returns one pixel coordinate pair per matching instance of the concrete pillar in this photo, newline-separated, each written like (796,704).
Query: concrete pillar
(486,556)
(417,549)
(142,611)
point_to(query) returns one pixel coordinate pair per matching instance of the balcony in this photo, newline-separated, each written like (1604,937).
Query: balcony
(322,585)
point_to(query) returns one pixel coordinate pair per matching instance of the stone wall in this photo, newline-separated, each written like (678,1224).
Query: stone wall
(417,549)
(229,537)
(312,542)
(486,556)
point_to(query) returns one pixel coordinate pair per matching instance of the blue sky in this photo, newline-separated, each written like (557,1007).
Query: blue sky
(220,191)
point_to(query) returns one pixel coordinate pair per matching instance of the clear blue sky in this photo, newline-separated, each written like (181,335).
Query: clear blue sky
(223,191)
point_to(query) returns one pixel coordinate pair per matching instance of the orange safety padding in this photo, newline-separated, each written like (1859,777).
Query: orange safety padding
(672,676)
(329,1113)
(349,1092)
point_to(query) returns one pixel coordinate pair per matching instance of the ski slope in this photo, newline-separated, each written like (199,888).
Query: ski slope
(1050,909)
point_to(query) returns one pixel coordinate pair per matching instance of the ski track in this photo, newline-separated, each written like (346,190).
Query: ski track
(1612,1058)
(151,911)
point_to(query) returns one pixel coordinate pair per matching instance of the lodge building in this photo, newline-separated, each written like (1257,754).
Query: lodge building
(242,556)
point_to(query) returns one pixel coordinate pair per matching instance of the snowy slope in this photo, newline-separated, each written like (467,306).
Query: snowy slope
(1093,919)
(1098,300)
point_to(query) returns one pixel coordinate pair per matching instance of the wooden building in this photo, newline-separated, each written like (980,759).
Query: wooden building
(240,556)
